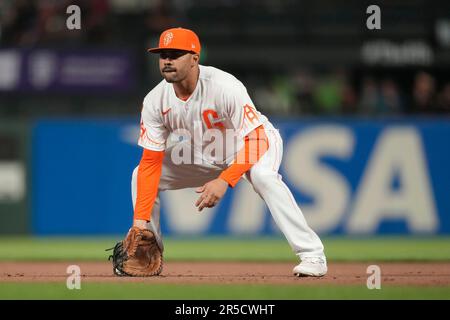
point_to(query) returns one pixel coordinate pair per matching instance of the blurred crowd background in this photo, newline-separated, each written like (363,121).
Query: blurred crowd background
(363,112)
(295,57)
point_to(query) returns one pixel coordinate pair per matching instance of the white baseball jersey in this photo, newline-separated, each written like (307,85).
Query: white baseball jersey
(219,101)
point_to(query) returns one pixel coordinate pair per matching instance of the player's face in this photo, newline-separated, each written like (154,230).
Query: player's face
(175,65)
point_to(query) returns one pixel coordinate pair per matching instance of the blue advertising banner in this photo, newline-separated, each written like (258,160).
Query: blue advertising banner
(44,70)
(348,176)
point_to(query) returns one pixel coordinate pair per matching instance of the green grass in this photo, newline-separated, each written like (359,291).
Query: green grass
(210,249)
(147,291)
(231,249)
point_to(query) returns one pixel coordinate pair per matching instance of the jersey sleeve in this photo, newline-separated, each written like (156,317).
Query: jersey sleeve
(256,144)
(240,109)
(148,176)
(153,133)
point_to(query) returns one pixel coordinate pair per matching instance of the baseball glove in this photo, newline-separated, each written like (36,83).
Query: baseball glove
(138,255)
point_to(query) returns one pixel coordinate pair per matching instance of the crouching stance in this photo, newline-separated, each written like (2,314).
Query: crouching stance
(192,99)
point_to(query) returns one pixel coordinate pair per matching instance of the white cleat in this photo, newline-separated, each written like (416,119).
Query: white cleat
(311,266)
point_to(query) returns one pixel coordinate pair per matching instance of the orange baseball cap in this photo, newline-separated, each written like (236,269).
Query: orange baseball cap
(178,39)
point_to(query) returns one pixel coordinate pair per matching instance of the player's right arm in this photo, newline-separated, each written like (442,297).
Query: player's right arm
(149,173)
(152,137)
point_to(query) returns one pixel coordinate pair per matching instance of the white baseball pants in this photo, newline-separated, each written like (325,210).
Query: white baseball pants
(266,181)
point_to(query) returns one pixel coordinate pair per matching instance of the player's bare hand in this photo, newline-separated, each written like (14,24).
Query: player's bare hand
(211,193)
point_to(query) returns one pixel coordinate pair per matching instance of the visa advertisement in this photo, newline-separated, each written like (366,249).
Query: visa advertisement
(349,176)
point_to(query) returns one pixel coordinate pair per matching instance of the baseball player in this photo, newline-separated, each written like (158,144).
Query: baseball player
(195,100)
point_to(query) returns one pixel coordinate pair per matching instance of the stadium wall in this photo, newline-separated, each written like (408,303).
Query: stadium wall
(350,176)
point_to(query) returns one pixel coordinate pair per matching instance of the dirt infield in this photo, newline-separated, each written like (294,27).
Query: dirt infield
(409,274)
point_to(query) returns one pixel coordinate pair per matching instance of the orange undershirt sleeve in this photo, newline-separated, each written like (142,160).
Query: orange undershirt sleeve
(149,174)
(255,145)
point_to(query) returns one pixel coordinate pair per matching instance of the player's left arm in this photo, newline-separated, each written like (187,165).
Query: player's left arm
(246,122)
(255,146)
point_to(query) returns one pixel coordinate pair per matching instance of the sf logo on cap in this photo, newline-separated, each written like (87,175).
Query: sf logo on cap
(168,38)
